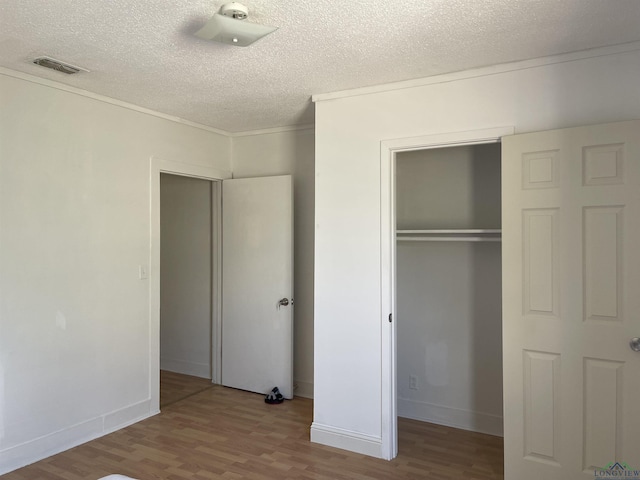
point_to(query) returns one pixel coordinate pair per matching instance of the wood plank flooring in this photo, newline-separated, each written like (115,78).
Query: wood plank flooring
(221,433)
(176,386)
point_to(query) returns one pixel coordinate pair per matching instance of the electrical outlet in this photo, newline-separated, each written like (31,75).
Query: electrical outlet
(413,382)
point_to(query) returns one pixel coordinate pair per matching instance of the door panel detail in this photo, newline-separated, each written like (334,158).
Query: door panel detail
(602,398)
(540,170)
(541,408)
(540,255)
(603,262)
(603,164)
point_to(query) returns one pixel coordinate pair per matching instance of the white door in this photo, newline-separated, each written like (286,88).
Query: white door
(571,301)
(257,284)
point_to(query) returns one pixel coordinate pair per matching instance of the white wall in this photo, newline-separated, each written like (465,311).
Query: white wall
(449,330)
(453,187)
(74,228)
(185,282)
(292,153)
(560,92)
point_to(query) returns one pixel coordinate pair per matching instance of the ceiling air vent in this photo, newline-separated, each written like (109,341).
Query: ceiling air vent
(54,64)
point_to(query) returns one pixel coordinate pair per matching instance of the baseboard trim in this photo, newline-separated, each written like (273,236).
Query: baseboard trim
(302,389)
(19,456)
(451,417)
(126,416)
(346,440)
(202,370)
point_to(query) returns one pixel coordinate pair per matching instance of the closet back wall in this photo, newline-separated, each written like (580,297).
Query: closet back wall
(449,293)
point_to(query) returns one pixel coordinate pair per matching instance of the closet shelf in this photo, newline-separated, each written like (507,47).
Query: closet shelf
(450,235)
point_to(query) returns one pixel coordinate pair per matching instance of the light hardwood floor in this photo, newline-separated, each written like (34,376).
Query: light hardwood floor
(221,433)
(175,387)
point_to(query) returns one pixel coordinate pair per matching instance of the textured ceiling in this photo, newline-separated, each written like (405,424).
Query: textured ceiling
(144,52)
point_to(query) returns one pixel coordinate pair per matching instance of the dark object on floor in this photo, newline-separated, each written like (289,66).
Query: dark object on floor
(274,397)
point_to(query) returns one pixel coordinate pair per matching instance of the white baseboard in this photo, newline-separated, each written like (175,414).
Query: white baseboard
(202,370)
(346,440)
(302,389)
(451,417)
(126,416)
(19,456)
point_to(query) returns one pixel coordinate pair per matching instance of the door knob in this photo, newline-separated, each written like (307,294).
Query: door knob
(635,344)
(283,302)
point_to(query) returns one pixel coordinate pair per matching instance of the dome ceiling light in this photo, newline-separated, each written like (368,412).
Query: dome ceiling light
(229,26)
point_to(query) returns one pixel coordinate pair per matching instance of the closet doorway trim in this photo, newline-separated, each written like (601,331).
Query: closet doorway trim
(388,151)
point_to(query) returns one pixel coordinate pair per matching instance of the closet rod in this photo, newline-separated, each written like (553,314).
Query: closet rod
(452,230)
(448,239)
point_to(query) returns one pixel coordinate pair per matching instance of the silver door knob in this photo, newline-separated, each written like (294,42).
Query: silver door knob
(635,344)
(283,302)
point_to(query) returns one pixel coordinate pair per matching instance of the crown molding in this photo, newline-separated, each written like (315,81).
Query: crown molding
(103,98)
(267,131)
(481,71)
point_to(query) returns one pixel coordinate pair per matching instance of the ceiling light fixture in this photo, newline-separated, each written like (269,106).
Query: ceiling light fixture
(228,26)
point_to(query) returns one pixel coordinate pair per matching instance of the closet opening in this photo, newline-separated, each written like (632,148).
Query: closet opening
(448,295)
(441,291)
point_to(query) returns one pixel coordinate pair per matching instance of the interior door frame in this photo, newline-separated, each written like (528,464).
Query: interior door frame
(388,151)
(158,166)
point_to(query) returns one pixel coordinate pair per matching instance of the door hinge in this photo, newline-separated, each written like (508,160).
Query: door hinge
(390,317)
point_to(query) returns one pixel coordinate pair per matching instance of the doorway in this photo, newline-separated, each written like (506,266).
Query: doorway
(448,283)
(390,150)
(186,282)
(272,300)
(160,168)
